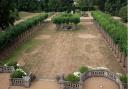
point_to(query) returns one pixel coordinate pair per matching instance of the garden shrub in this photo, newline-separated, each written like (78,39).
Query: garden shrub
(124,79)
(83,69)
(13,32)
(123,13)
(116,30)
(66,18)
(12,63)
(72,78)
(19,73)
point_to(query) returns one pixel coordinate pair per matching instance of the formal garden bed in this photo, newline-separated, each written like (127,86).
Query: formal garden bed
(18,77)
(66,21)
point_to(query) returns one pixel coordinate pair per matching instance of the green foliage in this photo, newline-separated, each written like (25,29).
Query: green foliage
(19,73)
(12,63)
(99,4)
(116,30)
(72,78)
(55,4)
(13,32)
(8,13)
(83,69)
(66,18)
(124,79)
(113,6)
(85,3)
(123,13)
(46,5)
(27,5)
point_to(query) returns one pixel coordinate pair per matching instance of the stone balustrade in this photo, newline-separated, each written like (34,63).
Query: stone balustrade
(92,73)
(6,69)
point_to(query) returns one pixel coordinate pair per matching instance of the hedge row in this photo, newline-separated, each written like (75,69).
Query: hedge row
(66,18)
(116,30)
(13,32)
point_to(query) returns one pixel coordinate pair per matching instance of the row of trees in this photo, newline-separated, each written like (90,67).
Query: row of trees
(39,5)
(9,8)
(114,6)
(8,13)
(116,30)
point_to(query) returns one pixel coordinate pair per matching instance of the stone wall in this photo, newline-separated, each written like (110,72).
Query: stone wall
(6,69)
(93,73)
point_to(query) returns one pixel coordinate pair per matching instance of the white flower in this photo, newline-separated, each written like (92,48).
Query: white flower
(21,70)
(5,64)
(77,74)
(18,65)
(25,73)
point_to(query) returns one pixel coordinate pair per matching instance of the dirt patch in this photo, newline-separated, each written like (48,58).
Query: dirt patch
(100,83)
(86,36)
(43,37)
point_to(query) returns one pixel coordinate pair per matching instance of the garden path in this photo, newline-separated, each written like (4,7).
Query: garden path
(4,80)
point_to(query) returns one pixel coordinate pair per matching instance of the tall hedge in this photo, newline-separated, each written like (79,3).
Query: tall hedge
(66,18)
(116,30)
(12,33)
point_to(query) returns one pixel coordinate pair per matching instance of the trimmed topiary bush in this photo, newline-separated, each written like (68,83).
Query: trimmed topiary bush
(66,21)
(83,69)
(19,73)
(66,18)
(123,13)
(124,79)
(72,78)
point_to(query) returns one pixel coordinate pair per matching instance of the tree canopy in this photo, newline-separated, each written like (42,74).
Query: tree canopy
(8,13)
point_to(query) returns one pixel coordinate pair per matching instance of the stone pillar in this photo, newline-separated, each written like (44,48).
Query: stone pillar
(27,81)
